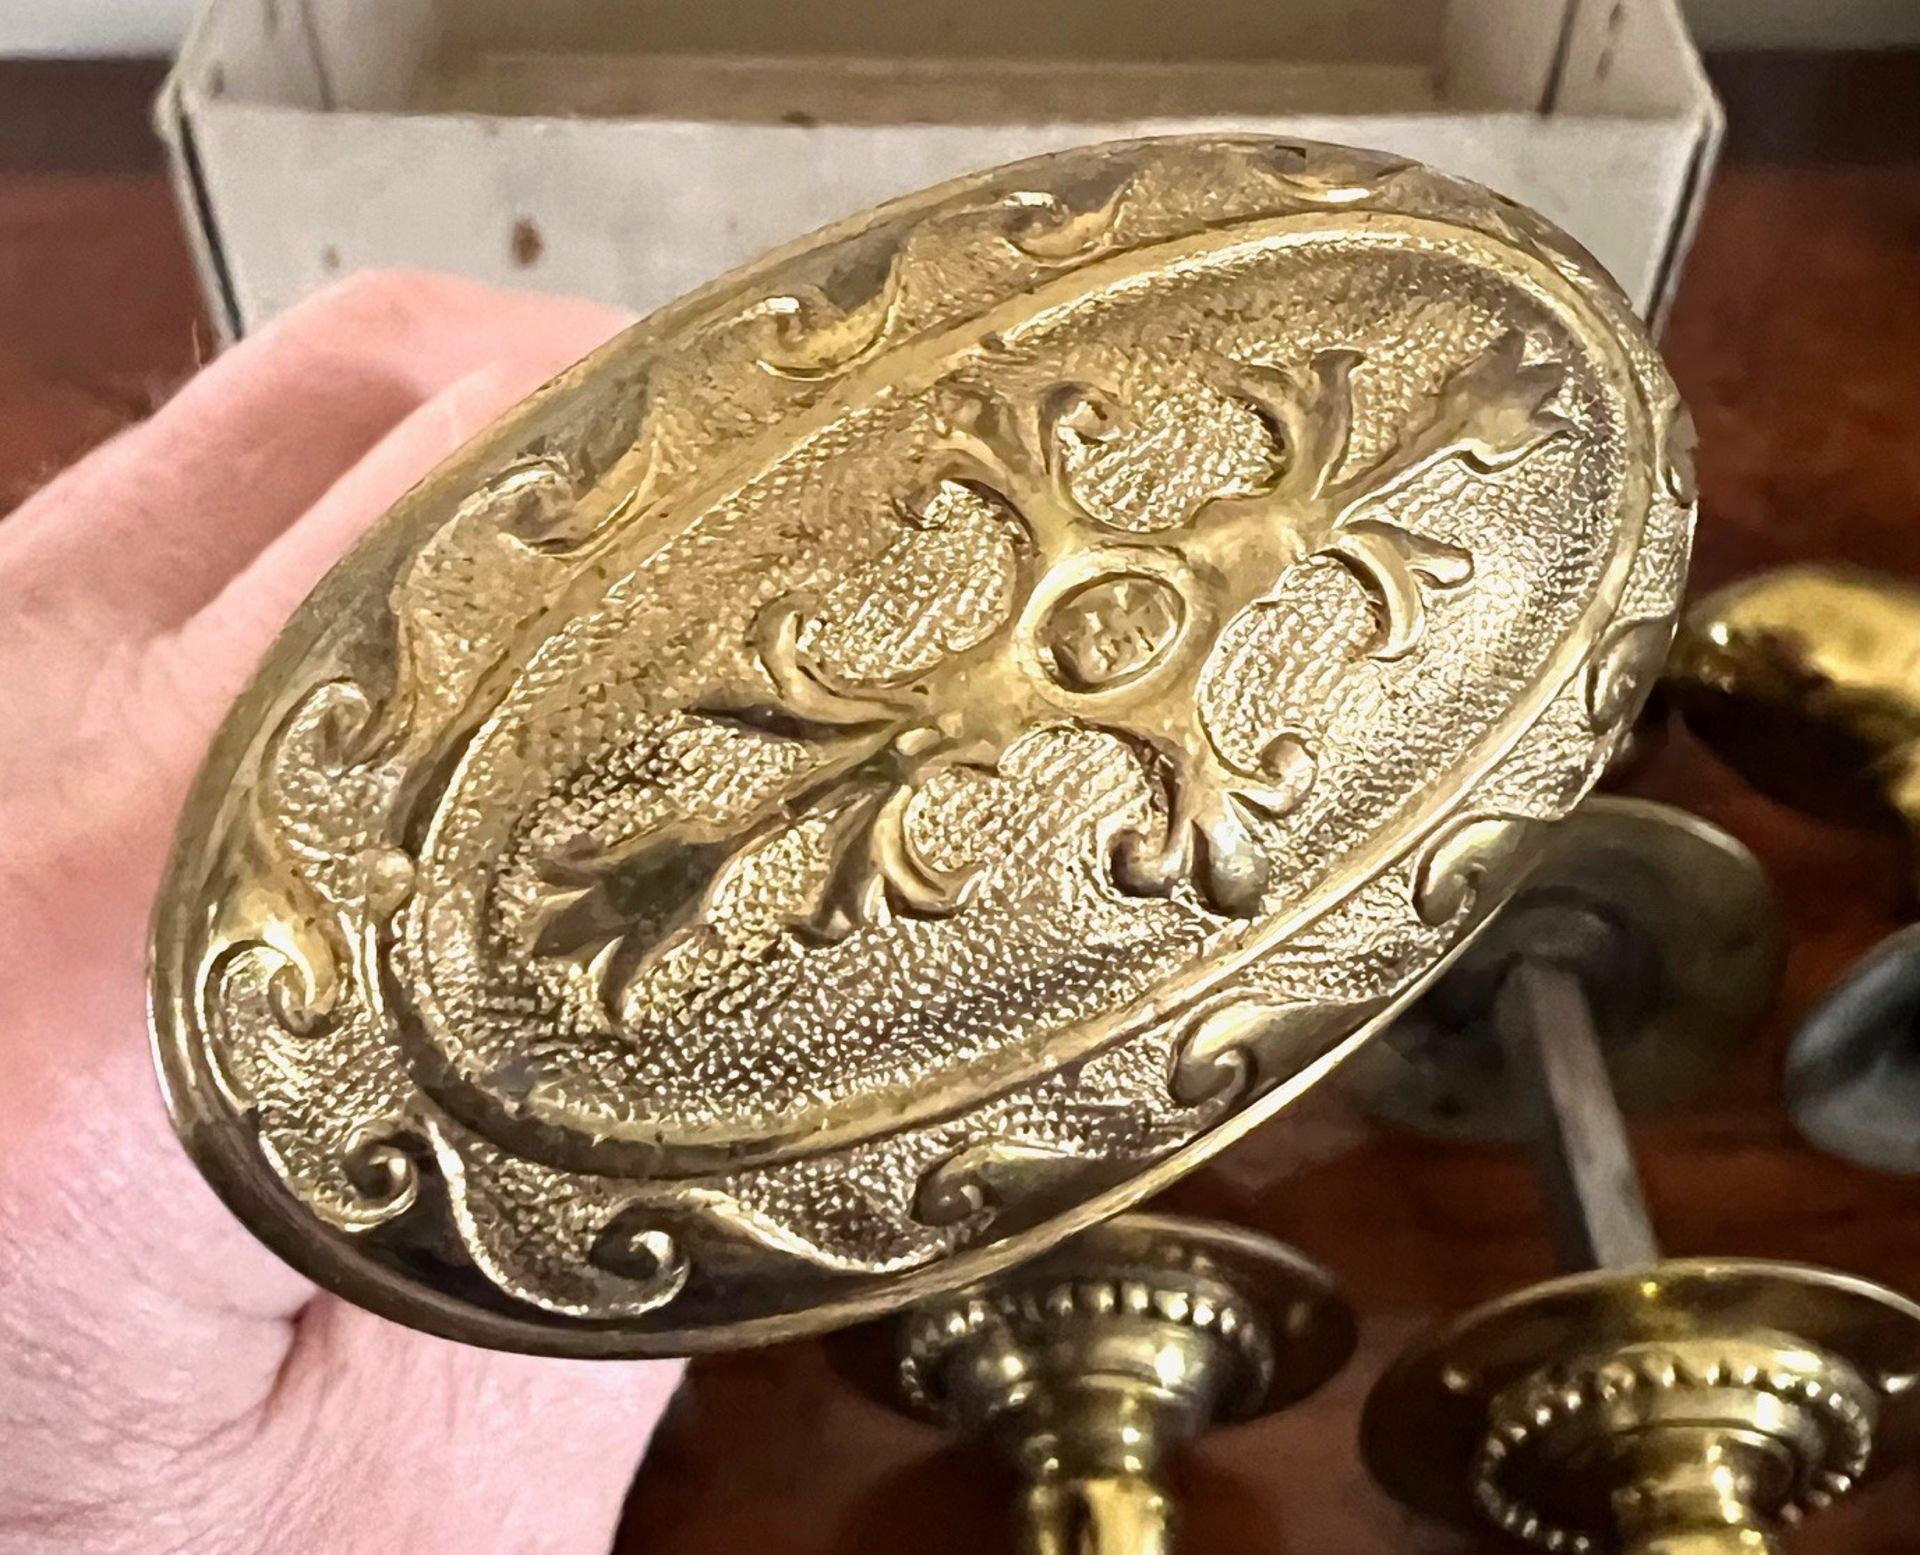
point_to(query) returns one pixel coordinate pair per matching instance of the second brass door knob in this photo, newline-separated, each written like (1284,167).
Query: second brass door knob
(1807,679)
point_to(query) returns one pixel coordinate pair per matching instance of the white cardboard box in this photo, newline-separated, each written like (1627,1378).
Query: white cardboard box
(631,149)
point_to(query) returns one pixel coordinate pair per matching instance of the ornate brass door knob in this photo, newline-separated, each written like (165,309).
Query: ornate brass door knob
(1092,1364)
(1668,925)
(1647,1406)
(916,744)
(1808,680)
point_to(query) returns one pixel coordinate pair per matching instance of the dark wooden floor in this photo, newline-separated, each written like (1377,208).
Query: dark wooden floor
(1797,339)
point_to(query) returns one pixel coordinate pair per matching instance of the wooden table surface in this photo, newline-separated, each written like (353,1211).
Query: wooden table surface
(1797,340)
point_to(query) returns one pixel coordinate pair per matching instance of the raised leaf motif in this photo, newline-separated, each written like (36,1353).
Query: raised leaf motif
(1116,626)
(915,738)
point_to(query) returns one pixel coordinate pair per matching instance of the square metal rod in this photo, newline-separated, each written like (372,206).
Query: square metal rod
(1595,1205)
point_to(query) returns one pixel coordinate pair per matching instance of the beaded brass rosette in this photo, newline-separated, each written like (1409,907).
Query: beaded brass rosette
(917,743)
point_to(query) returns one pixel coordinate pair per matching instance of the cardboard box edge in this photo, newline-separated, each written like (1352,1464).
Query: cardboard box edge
(1710,135)
(173,124)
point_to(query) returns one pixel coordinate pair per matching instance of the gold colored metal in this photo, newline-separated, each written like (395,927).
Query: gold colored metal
(1692,1407)
(1807,679)
(1093,1364)
(1652,1407)
(917,744)
(1668,924)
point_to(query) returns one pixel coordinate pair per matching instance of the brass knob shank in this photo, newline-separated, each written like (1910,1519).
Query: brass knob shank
(1695,1405)
(1090,1366)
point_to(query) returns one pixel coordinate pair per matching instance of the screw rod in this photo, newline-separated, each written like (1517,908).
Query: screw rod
(1594,1202)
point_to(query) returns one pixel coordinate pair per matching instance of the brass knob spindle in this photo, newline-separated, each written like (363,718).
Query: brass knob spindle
(1664,924)
(1645,1406)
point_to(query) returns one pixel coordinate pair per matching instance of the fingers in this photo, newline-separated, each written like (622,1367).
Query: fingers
(185,543)
(210,658)
(152,526)
(99,755)
(137,1319)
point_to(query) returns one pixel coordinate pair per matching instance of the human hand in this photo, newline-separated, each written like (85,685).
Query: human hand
(166,1384)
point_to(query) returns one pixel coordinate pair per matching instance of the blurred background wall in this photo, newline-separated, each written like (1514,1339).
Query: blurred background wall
(155,26)
(1805,23)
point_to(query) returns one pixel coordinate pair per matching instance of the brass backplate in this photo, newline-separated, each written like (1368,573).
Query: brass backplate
(1094,1363)
(1278,1320)
(1670,925)
(917,744)
(1569,1411)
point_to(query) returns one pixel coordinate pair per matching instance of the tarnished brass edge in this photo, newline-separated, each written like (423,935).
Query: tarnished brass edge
(330,1260)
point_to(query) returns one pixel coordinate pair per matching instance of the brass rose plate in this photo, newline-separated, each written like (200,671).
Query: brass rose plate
(916,744)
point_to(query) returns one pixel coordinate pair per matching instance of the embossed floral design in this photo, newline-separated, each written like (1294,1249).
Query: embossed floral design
(1112,626)
(1120,630)
(941,540)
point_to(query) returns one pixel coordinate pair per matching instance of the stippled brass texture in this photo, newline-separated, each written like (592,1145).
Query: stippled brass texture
(916,744)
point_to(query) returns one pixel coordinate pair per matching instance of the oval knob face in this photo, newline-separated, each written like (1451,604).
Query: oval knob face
(915,744)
